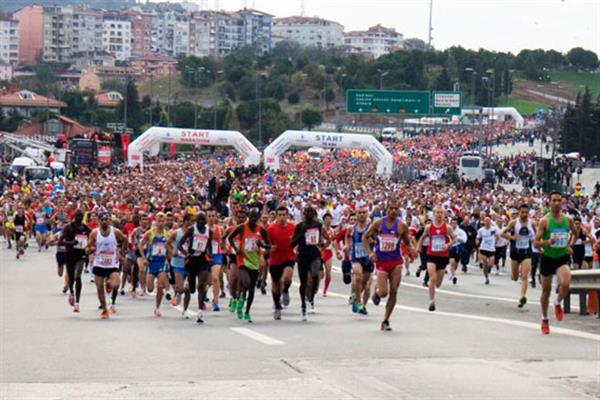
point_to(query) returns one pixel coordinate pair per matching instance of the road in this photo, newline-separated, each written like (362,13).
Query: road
(477,345)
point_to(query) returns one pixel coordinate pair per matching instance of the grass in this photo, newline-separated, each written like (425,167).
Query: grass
(575,79)
(525,107)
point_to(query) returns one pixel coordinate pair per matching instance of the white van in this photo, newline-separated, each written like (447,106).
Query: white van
(388,133)
(471,166)
(315,152)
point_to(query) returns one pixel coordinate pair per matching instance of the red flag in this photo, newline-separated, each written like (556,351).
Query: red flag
(125,144)
(171,149)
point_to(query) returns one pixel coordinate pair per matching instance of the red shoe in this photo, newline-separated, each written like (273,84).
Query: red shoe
(157,314)
(545,327)
(76,308)
(558,312)
(104,315)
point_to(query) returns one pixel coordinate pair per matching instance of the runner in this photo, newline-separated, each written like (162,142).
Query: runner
(387,232)
(232,277)
(579,243)
(105,263)
(457,249)
(281,259)
(438,255)
(21,227)
(74,238)
(153,248)
(309,237)
(487,236)
(362,267)
(327,253)
(217,253)
(252,237)
(552,238)
(178,261)
(520,232)
(501,246)
(195,247)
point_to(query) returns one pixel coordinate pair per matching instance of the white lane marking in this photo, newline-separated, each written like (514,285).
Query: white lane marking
(259,337)
(530,325)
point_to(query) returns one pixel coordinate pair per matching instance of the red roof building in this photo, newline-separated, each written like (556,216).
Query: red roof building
(26,103)
(54,127)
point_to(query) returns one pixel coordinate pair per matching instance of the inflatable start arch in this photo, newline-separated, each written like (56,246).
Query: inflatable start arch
(330,140)
(153,137)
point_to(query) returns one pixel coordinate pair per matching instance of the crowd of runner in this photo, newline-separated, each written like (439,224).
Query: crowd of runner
(210,228)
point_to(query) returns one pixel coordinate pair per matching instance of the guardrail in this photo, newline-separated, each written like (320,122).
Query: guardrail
(584,281)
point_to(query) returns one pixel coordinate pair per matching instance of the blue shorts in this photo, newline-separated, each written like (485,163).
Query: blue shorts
(155,268)
(180,271)
(218,259)
(40,228)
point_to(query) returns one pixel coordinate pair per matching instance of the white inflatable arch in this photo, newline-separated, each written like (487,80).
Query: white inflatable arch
(499,113)
(332,141)
(151,139)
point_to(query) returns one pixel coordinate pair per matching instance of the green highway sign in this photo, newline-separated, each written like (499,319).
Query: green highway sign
(446,103)
(387,101)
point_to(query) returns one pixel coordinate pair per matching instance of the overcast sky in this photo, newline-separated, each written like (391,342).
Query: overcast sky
(502,25)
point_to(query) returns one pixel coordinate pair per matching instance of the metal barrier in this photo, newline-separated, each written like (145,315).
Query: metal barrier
(584,281)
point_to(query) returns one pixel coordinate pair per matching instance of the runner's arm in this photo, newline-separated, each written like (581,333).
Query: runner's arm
(422,238)
(538,242)
(236,232)
(505,232)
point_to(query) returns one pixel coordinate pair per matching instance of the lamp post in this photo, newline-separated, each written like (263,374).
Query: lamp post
(490,85)
(382,74)
(150,112)
(219,72)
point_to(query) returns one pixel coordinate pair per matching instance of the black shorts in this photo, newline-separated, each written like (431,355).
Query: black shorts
(520,255)
(231,259)
(549,265)
(578,255)
(104,272)
(276,271)
(486,253)
(196,265)
(500,252)
(440,262)
(588,259)
(366,264)
(61,258)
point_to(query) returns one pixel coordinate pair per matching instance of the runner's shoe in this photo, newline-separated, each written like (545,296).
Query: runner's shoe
(285,298)
(432,306)
(277,314)
(363,311)
(71,300)
(385,326)
(454,280)
(113,309)
(215,307)
(303,316)
(375,298)
(247,318)
(199,317)
(122,293)
(157,313)
(232,305)
(558,312)
(65,289)
(354,307)
(222,295)
(240,309)
(312,310)
(76,308)
(104,315)
(184,315)
(487,281)
(545,327)
(351,299)
(522,301)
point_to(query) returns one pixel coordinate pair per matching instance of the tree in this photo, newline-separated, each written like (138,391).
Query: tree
(76,104)
(414,44)
(311,118)
(443,81)
(581,58)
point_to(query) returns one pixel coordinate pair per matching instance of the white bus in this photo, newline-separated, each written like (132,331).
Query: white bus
(471,167)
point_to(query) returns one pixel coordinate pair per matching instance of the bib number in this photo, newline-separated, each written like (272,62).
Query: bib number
(438,243)
(200,243)
(106,259)
(159,250)
(561,240)
(19,228)
(250,244)
(81,242)
(40,220)
(311,236)
(215,247)
(488,243)
(388,243)
(588,250)
(359,250)
(522,243)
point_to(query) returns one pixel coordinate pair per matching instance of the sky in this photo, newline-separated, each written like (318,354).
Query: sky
(500,25)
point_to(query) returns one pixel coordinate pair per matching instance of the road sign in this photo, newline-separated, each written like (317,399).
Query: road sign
(446,103)
(387,101)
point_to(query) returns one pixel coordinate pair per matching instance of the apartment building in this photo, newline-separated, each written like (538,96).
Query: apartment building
(116,35)
(31,33)
(309,31)
(374,42)
(9,40)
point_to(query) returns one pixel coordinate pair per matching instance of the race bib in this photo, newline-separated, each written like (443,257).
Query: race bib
(40,220)
(200,242)
(81,241)
(387,242)
(359,250)
(215,247)
(437,243)
(106,259)
(19,228)
(522,243)
(311,236)
(250,244)
(588,250)
(488,243)
(561,240)
(159,249)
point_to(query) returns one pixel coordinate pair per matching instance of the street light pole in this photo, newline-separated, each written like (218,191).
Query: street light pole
(381,75)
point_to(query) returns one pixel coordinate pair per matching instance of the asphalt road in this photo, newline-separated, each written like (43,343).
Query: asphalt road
(478,345)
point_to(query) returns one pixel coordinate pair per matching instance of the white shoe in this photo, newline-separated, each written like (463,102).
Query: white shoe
(312,309)
(303,316)
(199,317)
(184,315)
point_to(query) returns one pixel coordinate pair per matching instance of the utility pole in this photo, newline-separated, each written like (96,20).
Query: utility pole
(430,37)
(302,8)
(151,122)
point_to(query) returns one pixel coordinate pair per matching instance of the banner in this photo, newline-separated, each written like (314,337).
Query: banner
(125,143)
(104,155)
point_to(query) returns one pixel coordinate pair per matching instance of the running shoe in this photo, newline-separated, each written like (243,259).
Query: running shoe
(65,289)
(354,307)
(407,272)
(240,309)
(113,309)
(375,298)
(157,313)
(104,314)
(199,317)
(487,281)
(432,306)
(363,311)
(263,288)
(277,314)
(76,308)
(558,312)
(215,307)
(168,296)
(522,301)
(418,272)
(184,315)
(247,318)
(232,305)
(313,310)
(303,316)
(324,294)
(385,326)
(222,295)
(545,327)
(122,293)
(71,300)
(454,280)
(285,297)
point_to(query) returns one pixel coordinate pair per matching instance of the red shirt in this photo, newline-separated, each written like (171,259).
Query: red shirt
(281,238)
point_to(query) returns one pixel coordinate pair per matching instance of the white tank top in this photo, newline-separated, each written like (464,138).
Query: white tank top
(106,254)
